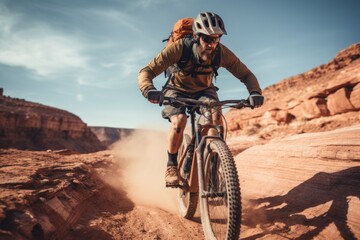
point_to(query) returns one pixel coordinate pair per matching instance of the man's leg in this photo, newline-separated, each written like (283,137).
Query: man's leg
(178,119)
(178,123)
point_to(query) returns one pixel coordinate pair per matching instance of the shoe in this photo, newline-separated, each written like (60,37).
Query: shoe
(171,176)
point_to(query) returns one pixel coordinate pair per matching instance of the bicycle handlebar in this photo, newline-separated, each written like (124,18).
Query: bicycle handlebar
(189,102)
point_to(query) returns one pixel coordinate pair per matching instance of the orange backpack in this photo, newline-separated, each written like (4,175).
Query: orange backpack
(182,28)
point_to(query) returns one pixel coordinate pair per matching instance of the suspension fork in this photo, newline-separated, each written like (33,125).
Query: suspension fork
(200,161)
(201,142)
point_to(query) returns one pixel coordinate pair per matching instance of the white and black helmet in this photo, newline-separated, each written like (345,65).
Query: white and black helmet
(208,23)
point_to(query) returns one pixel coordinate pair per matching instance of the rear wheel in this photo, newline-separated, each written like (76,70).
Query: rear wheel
(187,200)
(220,203)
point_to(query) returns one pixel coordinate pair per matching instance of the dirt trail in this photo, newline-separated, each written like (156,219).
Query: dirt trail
(150,208)
(114,216)
(119,194)
(103,195)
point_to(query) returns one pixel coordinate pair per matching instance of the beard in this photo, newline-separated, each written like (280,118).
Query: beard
(206,54)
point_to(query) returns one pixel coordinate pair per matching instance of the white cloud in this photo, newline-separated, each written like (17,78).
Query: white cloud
(145,3)
(261,52)
(7,21)
(80,97)
(44,54)
(37,48)
(117,18)
(109,65)
(93,80)
(114,73)
(149,3)
(128,62)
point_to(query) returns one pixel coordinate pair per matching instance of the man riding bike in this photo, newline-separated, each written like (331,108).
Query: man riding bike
(197,84)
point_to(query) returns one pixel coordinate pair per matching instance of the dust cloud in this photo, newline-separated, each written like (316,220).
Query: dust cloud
(142,158)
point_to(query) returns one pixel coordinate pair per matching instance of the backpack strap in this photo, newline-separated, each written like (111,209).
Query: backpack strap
(184,59)
(187,51)
(215,64)
(186,55)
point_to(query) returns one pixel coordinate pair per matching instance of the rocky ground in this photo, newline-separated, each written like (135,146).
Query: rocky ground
(49,195)
(302,187)
(299,187)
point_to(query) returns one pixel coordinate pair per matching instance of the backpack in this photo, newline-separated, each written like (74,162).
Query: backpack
(182,29)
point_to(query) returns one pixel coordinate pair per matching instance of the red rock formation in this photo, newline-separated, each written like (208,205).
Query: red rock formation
(304,180)
(28,125)
(308,102)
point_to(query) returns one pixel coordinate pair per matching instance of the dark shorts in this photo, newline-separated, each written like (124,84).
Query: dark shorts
(209,94)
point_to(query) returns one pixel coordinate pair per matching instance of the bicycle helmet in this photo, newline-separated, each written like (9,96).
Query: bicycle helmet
(208,23)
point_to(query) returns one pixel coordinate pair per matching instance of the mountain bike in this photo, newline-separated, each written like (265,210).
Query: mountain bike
(207,170)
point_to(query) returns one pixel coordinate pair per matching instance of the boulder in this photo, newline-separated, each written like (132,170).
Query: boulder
(284,117)
(310,109)
(339,102)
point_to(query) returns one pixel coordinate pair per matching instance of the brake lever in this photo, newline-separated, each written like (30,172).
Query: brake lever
(243,104)
(173,102)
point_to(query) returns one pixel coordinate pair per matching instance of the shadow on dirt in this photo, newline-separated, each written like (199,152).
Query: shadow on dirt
(333,188)
(106,203)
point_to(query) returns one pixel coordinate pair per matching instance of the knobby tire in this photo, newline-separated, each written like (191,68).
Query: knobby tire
(221,208)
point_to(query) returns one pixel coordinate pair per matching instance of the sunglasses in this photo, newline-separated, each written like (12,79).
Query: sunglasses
(210,40)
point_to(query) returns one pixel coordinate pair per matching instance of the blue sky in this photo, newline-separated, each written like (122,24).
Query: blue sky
(83,56)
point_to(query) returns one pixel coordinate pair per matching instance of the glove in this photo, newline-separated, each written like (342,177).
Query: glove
(256,99)
(155,96)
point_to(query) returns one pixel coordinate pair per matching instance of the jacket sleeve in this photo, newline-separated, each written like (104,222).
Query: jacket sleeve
(237,68)
(167,57)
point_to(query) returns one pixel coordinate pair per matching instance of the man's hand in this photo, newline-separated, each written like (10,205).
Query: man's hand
(256,99)
(155,96)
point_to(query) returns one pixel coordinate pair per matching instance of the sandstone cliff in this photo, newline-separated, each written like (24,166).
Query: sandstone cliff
(324,98)
(33,126)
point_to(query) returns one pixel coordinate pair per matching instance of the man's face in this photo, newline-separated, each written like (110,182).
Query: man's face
(208,45)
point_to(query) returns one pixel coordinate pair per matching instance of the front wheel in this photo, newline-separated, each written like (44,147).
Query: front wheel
(220,202)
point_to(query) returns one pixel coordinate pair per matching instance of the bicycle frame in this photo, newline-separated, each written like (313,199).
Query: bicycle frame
(199,139)
(212,178)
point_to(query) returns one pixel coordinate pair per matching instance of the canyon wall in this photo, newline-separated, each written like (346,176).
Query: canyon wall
(324,98)
(33,126)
